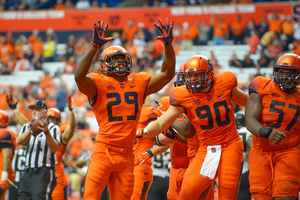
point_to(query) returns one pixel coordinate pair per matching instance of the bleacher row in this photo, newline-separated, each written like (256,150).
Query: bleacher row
(222,53)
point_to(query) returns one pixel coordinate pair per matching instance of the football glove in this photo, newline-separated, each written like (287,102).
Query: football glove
(5,183)
(145,157)
(166,32)
(140,133)
(69,100)
(98,35)
(11,102)
(170,133)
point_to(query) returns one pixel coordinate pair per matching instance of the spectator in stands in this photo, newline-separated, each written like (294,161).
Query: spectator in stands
(249,27)
(275,24)
(129,31)
(288,28)
(4,69)
(52,33)
(117,40)
(253,42)
(104,5)
(83,5)
(69,5)
(37,48)
(284,42)
(296,48)
(70,65)
(220,31)
(263,61)
(5,50)
(186,37)
(247,62)
(237,28)
(263,27)
(22,6)
(194,29)
(95,4)
(273,50)
(49,49)
(296,29)
(23,64)
(31,4)
(204,31)
(267,39)
(61,96)
(146,33)
(33,37)
(70,47)
(60,5)
(19,46)
(235,62)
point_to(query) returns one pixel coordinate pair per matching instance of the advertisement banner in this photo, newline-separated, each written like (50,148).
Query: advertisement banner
(66,20)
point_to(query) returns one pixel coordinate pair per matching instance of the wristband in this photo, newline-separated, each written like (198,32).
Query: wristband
(150,153)
(4,175)
(47,132)
(265,132)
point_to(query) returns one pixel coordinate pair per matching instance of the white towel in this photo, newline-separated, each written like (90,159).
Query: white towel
(211,161)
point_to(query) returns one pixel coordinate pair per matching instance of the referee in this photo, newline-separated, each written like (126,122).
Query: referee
(38,180)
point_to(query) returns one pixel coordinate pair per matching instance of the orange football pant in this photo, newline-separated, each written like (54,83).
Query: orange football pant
(143,178)
(274,173)
(175,181)
(229,173)
(112,166)
(60,190)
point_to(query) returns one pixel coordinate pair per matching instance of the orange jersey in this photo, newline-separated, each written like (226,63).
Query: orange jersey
(193,146)
(142,145)
(117,107)
(7,140)
(59,169)
(178,152)
(210,113)
(280,111)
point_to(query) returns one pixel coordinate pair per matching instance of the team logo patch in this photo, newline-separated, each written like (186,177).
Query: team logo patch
(208,97)
(213,150)
(196,103)
(110,87)
(275,94)
(287,97)
(122,85)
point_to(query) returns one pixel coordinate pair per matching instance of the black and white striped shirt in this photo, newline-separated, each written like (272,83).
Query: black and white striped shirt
(38,153)
(18,163)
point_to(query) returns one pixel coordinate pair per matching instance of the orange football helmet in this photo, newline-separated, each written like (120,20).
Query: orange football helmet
(286,71)
(198,73)
(53,113)
(179,78)
(4,119)
(115,59)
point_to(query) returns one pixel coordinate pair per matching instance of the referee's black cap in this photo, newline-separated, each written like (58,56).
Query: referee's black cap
(39,104)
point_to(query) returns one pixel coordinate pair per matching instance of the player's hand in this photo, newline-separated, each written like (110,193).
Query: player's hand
(4,185)
(141,133)
(160,109)
(276,136)
(11,102)
(170,133)
(69,100)
(145,157)
(99,35)
(166,32)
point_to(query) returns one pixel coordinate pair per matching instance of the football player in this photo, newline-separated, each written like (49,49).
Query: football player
(206,100)
(116,97)
(7,146)
(272,116)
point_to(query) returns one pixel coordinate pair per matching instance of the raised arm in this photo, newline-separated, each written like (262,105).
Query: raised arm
(17,113)
(69,132)
(85,84)
(168,67)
